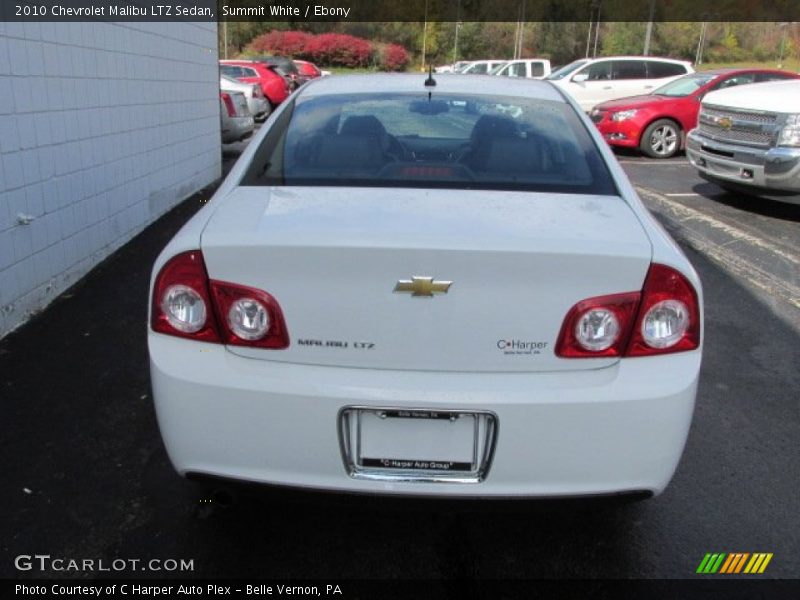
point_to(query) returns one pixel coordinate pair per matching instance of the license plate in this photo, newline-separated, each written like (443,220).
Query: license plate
(417,444)
(417,440)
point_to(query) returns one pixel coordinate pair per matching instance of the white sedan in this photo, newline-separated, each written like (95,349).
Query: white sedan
(404,288)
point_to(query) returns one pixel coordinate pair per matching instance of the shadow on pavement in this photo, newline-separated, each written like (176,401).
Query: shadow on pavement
(761,206)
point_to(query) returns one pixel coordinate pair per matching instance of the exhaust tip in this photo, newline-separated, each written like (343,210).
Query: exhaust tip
(223,497)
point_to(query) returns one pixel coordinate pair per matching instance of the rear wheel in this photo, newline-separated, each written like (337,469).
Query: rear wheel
(662,139)
(265,115)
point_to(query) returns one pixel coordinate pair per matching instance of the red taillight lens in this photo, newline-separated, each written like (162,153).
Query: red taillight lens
(181,301)
(186,304)
(669,314)
(228,101)
(664,317)
(250,317)
(598,327)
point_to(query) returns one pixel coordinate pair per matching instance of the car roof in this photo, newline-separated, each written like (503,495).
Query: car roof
(734,70)
(403,83)
(658,58)
(243,62)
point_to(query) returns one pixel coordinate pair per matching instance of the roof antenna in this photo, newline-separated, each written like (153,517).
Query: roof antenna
(430,81)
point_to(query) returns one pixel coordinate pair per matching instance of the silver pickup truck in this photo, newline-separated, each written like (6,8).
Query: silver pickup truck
(748,139)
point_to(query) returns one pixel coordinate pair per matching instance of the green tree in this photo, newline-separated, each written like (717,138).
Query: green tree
(623,38)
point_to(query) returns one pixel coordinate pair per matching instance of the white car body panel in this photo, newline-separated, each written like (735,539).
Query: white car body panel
(618,425)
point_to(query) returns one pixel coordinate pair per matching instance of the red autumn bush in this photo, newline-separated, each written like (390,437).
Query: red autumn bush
(338,49)
(282,43)
(393,57)
(330,49)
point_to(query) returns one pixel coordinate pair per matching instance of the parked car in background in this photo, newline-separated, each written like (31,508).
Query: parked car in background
(256,101)
(236,122)
(454,68)
(286,67)
(657,122)
(480,67)
(275,87)
(591,81)
(530,68)
(297,322)
(748,140)
(308,69)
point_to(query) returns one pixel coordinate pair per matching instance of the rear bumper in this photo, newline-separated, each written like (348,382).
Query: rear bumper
(768,169)
(605,431)
(258,107)
(236,129)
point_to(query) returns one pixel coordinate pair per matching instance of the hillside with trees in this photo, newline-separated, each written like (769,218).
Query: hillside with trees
(562,42)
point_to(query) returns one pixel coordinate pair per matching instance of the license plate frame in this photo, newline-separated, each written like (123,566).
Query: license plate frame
(450,445)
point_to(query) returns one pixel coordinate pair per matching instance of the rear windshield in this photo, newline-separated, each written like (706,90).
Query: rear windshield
(448,141)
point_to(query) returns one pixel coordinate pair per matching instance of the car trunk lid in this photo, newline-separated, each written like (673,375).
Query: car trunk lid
(516,263)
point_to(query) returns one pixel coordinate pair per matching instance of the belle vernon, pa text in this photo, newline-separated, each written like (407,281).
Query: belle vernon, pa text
(126,589)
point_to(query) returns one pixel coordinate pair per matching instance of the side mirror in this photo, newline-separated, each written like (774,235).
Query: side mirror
(580,77)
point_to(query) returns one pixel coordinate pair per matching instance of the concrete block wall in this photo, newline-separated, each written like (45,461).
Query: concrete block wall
(103,128)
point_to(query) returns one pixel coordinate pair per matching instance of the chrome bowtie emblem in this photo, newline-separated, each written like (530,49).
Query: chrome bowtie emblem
(422,286)
(725,122)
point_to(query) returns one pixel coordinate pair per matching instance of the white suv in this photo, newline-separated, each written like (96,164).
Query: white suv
(480,67)
(531,68)
(591,81)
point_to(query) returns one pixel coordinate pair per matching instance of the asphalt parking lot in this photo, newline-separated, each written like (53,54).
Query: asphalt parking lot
(85,473)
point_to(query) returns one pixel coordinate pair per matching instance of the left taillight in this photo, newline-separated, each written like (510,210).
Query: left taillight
(598,327)
(250,317)
(181,300)
(229,106)
(187,304)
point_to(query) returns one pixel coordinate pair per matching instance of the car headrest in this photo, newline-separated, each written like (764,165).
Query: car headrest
(363,125)
(489,127)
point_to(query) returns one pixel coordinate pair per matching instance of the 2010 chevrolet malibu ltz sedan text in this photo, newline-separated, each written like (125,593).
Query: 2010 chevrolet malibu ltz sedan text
(427,287)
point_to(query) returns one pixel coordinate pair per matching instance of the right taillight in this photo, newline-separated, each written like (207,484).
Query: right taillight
(228,101)
(664,317)
(186,304)
(669,314)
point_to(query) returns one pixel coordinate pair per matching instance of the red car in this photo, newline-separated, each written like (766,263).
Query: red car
(272,84)
(657,122)
(307,69)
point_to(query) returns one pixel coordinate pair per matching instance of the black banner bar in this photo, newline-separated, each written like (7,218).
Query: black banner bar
(298,11)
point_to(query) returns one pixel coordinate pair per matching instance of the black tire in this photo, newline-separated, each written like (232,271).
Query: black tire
(265,115)
(661,139)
